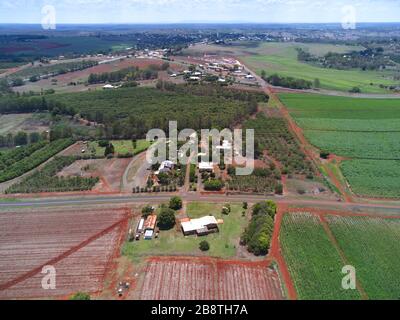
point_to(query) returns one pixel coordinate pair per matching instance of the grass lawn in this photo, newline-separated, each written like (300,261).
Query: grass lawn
(281,58)
(371,246)
(173,242)
(313,262)
(121,147)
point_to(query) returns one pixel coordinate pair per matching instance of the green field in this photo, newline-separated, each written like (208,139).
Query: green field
(121,147)
(281,58)
(360,145)
(314,264)
(173,242)
(371,245)
(365,130)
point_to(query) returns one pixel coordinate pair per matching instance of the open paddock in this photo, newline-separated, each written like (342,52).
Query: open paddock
(79,244)
(209,279)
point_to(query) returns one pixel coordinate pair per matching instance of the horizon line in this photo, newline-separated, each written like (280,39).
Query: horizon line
(193,22)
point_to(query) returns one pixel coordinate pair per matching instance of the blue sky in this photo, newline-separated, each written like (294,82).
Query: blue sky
(175,11)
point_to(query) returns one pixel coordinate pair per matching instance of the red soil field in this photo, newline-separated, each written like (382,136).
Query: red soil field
(110,172)
(80,245)
(209,279)
(109,67)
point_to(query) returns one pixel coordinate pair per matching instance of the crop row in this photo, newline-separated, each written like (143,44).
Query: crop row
(45,180)
(34,159)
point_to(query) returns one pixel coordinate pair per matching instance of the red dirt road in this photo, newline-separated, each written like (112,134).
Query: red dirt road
(276,254)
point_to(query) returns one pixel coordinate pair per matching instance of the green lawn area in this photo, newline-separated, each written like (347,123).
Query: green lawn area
(371,245)
(365,130)
(173,242)
(281,58)
(121,147)
(313,262)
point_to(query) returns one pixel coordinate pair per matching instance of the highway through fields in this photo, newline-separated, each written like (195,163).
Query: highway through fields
(124,199)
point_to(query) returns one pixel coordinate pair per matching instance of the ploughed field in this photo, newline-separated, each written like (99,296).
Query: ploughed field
(317,246)
(209,279)
(80,244)
(365,131)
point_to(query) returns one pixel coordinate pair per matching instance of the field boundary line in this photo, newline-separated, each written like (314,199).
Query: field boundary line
(325,212)
(276,254)
(63,255)
(336,245)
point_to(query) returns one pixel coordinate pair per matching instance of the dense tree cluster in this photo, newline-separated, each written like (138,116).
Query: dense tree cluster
(213,185)
(16,162)
(214,91)
(19,139)
(258,234)
(166,218)
(368,59)
(28,104)
(127,74)
(273,135)
(132,112)
(262,180)
(50,70)
(288,82)
(46,179)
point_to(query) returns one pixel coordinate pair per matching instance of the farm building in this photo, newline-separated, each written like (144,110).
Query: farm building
(201,227)
(148,235)
(150,223)
(140,226)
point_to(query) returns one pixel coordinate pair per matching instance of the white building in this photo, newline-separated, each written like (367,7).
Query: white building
(206,166)
(201,226)
(166,166)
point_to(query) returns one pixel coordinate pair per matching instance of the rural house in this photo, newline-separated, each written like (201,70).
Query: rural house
(200,227)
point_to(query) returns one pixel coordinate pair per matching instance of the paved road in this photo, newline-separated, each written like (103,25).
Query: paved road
(124,199)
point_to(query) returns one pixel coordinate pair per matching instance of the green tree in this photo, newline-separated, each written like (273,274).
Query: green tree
(317,83)
(213,185)
(21,139)
(175,203)
(34,137)
(147,210)
(166,219)
(109,150)
(80,296)
(263,74)
(204,246)
(265,208)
